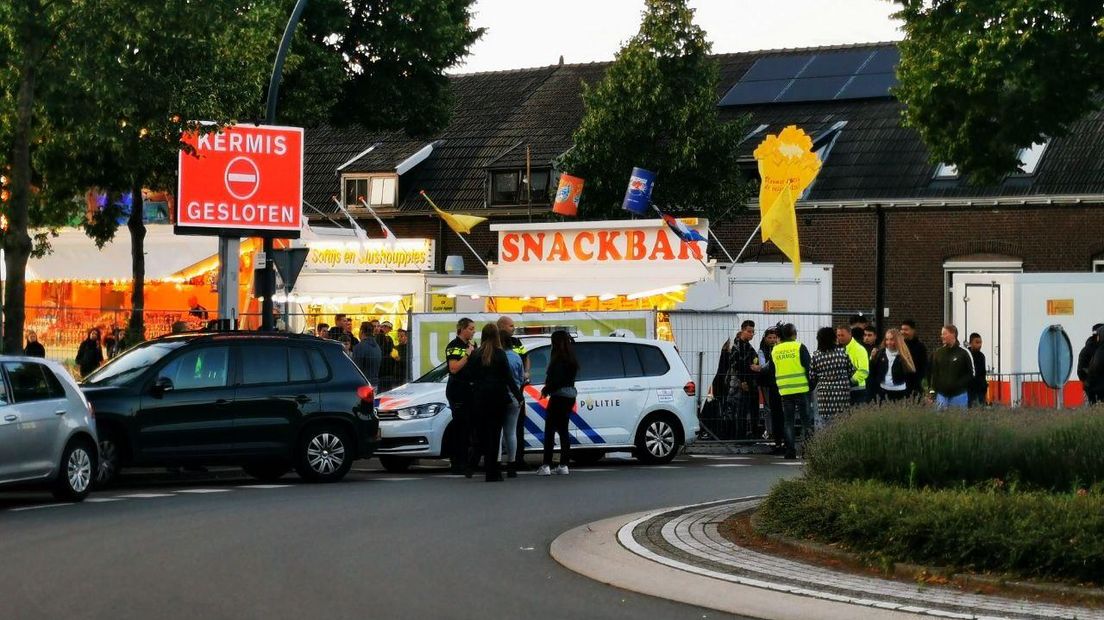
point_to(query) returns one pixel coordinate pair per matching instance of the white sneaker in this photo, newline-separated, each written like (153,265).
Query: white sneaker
(544,471)
(562,470)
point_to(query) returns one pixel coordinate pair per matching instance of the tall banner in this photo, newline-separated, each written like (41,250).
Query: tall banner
(431,332)
(787,165)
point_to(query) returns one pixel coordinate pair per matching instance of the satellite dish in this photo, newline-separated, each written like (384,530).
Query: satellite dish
(1055,356)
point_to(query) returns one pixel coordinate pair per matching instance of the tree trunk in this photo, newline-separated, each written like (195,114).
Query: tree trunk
(17,241)
(136,329)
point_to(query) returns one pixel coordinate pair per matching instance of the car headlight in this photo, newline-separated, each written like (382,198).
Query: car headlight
(420,411)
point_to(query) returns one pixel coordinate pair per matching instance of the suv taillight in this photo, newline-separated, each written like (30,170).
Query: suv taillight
(366,393)
(690,388)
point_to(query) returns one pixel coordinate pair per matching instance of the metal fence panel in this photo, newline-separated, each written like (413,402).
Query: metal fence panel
(700,337)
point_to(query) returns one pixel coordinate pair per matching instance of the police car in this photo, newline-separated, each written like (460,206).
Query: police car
(634,395)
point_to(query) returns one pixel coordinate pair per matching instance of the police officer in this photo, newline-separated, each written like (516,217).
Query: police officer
(511,343)
(458,391)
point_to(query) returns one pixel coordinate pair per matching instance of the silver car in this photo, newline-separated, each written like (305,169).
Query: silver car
(47,428)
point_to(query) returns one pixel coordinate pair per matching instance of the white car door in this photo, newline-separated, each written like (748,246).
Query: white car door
(609,400)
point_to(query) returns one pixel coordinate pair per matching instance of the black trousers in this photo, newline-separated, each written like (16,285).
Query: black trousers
(555,423)
(774,403)
(464,454)
(492,415)
(893,396)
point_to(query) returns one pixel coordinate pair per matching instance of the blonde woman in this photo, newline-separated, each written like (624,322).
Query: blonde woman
(892,371)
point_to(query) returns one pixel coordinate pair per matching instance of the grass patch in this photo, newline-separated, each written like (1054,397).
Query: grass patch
(1026,534)
(914,447)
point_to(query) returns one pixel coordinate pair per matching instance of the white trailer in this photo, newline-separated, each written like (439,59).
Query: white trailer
(1010,311)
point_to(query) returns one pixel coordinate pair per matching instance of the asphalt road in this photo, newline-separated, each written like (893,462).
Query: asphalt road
(418,545)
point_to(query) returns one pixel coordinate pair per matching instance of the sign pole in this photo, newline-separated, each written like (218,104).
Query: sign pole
(228,253)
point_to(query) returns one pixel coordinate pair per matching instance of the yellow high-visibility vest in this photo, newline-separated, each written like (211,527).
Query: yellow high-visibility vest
(789,374)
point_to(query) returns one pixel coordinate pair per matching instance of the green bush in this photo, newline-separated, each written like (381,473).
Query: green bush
(913,446)
(1029,534)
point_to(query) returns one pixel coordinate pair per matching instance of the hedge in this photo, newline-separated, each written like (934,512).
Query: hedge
(1026,534)
(914,446)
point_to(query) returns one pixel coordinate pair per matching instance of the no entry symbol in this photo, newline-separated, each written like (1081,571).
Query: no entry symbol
(242,178)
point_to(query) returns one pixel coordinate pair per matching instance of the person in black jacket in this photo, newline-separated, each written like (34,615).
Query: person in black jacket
(493,386)
(919,355)
(89,354)
(34,348)
(979,387)
(1084,360)
(770,389)
(458,392)
(559,388)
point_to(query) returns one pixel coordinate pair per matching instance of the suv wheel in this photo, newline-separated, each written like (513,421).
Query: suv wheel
(324,454)
(108,469)
(267,471)
(77,471)
(658,439)
(396,464)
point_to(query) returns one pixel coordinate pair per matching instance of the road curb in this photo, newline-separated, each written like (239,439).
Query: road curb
(594,551)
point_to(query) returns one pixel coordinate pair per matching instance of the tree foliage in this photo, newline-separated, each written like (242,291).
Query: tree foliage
(378,64)
(656,108)
(985,78)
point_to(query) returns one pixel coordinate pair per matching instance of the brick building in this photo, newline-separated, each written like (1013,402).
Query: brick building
(877,191)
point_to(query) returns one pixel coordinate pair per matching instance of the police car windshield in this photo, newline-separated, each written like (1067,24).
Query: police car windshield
(134,362)
(437,375)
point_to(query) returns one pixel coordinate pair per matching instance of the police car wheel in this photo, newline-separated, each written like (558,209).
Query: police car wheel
(324,454)
(658,439)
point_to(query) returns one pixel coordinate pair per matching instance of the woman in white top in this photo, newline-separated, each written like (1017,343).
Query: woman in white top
(892,369)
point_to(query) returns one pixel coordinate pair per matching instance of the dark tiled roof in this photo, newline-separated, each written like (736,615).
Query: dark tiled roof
(496,114)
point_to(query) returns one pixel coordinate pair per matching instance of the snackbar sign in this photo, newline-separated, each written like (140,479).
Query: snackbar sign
(649,242)
(248,178)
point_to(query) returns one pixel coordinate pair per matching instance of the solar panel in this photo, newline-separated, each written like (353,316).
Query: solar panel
(830,75)
(836,64)
(814,89)
(885,60)
(777,67)
(747,93)
(867,86)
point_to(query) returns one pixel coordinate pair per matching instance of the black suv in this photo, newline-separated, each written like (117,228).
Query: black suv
(263,401)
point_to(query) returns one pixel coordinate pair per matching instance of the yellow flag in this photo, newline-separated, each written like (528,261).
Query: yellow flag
(785,160)
(458,223)
(781,222)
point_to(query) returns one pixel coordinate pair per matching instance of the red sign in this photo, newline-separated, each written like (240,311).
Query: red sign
(242,177)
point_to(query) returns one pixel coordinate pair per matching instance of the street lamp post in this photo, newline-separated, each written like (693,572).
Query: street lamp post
(268,279)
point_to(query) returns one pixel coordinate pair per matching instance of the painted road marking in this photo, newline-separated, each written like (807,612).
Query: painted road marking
(792,463)
(103,500)
(144,495)
(200,491)
(41,506)
(666,467)
(265,486)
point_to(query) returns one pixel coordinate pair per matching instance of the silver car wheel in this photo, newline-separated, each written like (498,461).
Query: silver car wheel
(325,453)
(659,439)
(109,461)
(79,470)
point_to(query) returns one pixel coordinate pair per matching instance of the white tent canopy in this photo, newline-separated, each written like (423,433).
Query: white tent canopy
(74,256)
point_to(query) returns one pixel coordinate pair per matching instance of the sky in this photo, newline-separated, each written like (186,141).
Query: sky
(534,33)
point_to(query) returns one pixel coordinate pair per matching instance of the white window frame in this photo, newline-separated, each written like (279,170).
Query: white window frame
(1098,265)
(383,198)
